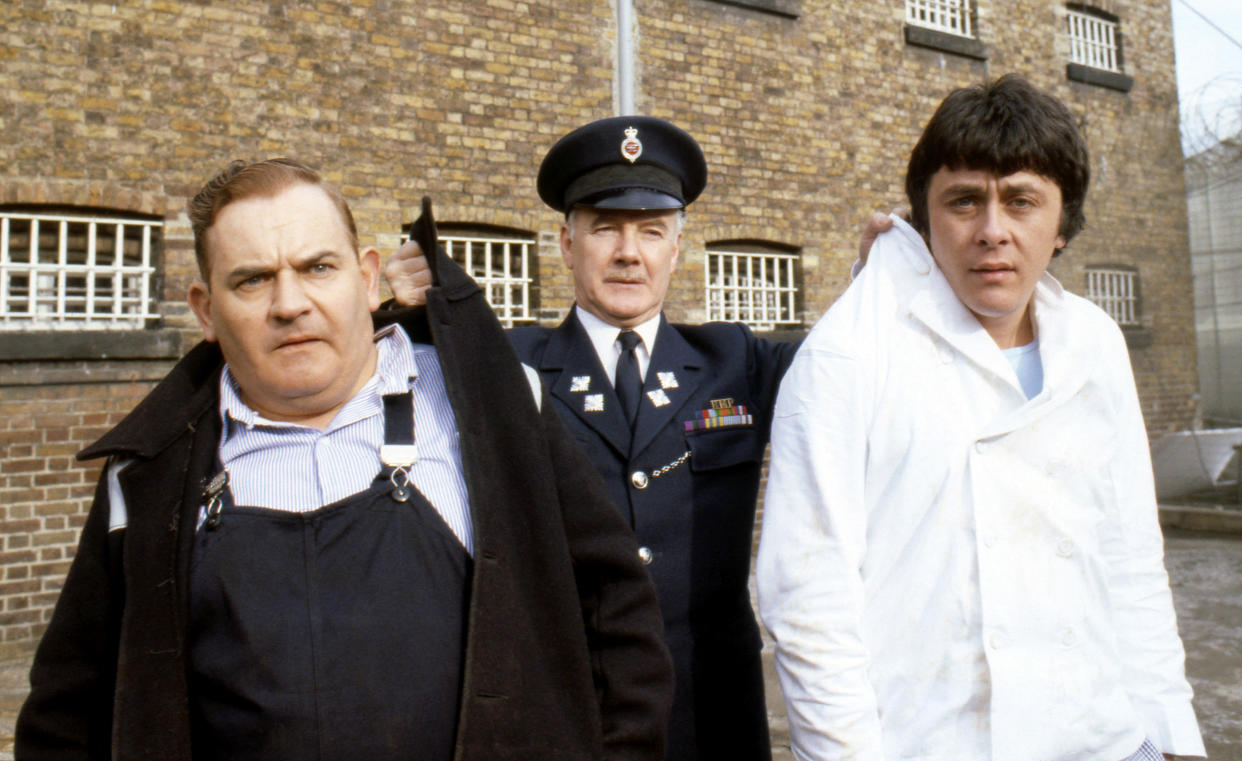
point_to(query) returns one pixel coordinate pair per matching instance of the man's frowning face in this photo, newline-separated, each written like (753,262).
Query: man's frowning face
(993,238)
(290,301)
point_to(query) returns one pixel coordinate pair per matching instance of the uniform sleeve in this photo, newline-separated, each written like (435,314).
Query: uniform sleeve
(1146,625)
(769,361)
(631,666)
(68,714)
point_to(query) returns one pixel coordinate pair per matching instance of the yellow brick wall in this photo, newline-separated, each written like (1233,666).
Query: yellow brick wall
(806,123)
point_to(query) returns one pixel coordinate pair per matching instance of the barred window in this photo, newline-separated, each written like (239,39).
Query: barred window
(949,16)
(501,263)
(1115,291)
(77,270)
(759,288)
(1094,39)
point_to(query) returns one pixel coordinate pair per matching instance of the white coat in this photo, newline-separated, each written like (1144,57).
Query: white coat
(951,571)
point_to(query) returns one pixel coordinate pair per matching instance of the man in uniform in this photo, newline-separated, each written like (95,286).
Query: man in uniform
(315,540)
(675,417)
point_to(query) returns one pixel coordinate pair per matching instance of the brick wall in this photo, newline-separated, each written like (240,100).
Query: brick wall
(806,120)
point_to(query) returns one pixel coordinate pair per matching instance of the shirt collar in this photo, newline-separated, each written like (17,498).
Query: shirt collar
(604,336)
(394,371)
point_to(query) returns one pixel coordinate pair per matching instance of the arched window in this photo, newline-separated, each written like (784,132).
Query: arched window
(1094,37)
(948,16)
(1116,291)
(501,261)
(751,282)
(77,269)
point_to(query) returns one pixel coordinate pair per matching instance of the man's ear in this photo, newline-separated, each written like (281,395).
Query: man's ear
(369,263)
(566,242)
(199,298)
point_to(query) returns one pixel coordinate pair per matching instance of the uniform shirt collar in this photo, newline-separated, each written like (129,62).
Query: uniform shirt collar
(604,338)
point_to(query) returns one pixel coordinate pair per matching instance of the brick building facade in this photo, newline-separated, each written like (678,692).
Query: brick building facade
(114,114)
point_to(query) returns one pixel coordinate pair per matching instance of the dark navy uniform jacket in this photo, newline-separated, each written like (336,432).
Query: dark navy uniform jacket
(687,483)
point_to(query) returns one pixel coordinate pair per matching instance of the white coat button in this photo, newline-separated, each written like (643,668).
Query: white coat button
(645,555)
(1065,547)
(639,479)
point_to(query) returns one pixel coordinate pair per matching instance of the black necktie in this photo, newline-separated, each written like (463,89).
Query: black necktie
(629,383)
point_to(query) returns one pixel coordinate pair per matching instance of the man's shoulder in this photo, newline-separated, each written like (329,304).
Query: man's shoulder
(529,340)
(173,407)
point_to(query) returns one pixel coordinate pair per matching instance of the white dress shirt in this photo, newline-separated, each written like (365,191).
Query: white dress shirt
(950,570)
(604,338)
(287,466)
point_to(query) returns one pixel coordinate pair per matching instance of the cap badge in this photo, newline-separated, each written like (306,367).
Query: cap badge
(631,148)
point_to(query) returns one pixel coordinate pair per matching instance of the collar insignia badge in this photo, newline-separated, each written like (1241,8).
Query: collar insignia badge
(631,148)
(658,397)
(580,383)
(593,403)
(667,380)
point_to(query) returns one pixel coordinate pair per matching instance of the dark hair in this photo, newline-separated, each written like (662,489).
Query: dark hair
(260,179)
(1002,127)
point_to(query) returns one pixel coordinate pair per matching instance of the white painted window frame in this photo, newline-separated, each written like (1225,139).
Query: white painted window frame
(1093,41)
(501,265)
(759,288)
(948,16)
(49,302)
(1115,290)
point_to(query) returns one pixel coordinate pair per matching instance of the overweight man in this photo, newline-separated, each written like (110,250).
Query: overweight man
(316,539)
(960,556)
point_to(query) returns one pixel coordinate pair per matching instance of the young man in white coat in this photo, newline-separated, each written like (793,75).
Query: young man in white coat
(961,557)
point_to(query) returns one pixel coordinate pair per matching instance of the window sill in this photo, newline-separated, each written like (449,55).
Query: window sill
(784,335)
(1078,73)
(946,43)
(160,343)
(786,8)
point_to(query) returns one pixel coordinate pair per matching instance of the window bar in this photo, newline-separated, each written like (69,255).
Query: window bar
(62,259)
(525,280)
(735,296)
(90,267)
(506,280)
(749,284)
(144,284)
(118,255)
(5,282)
(32,282)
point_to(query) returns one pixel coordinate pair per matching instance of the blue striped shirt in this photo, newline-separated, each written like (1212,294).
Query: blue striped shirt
(287,466)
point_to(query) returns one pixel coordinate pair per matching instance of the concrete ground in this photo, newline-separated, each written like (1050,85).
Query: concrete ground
(1205,571)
